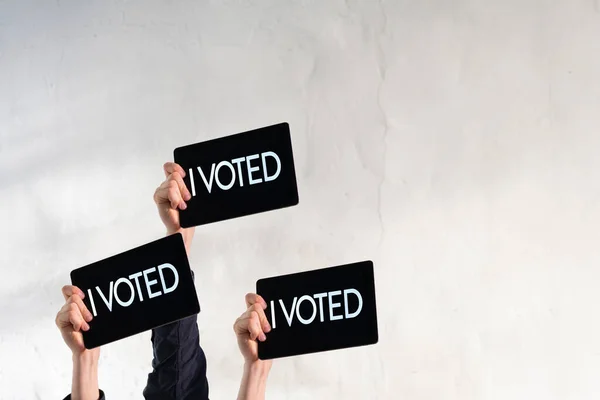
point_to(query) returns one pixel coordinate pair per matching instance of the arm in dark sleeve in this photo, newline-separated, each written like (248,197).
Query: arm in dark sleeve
(179,363)
(100,396)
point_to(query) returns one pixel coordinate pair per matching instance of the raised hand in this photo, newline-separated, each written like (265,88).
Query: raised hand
(170,197)
(250,328)
(73,318)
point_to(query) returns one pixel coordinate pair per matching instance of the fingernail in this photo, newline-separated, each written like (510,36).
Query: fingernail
(86,327)
(183,206)
(187,197)
(262,337)
(89,318)
(267,327)
(264,305)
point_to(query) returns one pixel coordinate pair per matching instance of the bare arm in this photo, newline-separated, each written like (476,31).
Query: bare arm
(250,328)
(85,377)
(71,320)
(254,381)
(170,197)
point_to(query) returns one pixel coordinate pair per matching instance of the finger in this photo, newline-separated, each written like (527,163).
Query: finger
(62,318)
(70,290)
(264,323)
(171,167)
(254,327)
(253,298)
(249,325)
(174,196)
(161,194)
(241,325)
(76,319)
(87,315)
(185,193)
(168,192)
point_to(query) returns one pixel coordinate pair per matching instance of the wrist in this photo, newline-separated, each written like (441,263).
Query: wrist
(254,380)
(85,376)
(87,358)
(187,233)
(258,368)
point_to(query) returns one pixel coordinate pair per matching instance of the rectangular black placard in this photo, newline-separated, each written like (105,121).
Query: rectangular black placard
(325,309)
(238,175)
(140,289)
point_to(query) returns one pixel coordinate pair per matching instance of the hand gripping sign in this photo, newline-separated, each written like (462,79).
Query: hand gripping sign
(238,175)
(324,309)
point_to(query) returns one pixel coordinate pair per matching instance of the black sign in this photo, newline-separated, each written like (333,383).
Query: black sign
(320,310)
(140,289)
(238,175)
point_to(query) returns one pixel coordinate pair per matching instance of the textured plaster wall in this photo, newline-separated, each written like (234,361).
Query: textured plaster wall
(455,143)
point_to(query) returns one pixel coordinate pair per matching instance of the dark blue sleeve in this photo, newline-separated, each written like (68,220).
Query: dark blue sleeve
(179,363)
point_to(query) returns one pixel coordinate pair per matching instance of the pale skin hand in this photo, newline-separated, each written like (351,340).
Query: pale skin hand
(71,320)
(170,197)
(250,328)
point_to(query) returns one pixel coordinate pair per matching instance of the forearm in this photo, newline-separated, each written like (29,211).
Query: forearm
(188,236)
(254,381)
(179,363)
(85,377)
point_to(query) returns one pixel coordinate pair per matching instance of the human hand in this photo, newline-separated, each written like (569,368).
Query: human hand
(251,327)
(170,197)
(73,318)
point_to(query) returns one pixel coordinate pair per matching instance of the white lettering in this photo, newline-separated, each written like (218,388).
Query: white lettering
(113,289)
(329,297)
(289,316)
(230,185)
(212,175)
(312,318)
(235,166)
(110,296)
(151,295)
(273,314)
(320,297)
(136,276)
(360,303)
(192,182)
(251,169)
(238,162)
(128,282)
(264,163)
(162,278)
(92,301)
(334,305)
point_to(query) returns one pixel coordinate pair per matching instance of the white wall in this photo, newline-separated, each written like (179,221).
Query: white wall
(454,143)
